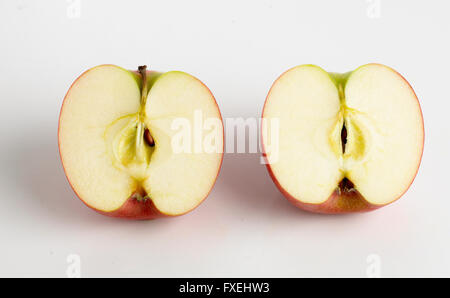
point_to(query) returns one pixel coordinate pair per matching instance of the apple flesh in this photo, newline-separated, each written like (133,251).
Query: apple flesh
(115,140)
(347,142)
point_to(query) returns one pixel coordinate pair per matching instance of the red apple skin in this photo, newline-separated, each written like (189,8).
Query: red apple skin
(348,202)
(340,202)
(133,209)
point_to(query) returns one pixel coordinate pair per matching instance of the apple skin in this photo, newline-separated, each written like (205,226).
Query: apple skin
(133,209)
(337,203)
(340,202)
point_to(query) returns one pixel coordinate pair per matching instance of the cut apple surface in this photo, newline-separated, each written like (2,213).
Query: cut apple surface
(117,133)
(347,142)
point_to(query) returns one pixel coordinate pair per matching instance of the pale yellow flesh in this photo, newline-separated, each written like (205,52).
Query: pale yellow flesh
(384,125)
(102,159)
(177,182)
(388,110)
(306,103)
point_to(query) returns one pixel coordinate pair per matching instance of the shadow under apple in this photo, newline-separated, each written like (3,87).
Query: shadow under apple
(248,186)
(34,168)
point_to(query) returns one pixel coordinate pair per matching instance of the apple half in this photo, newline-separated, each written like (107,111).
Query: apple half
(348,142)
(116,141)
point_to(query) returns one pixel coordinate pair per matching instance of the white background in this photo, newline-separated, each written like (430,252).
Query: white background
(245,228)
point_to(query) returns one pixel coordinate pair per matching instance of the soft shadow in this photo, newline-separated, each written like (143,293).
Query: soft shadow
(35,168)
(246,179)
(249,186)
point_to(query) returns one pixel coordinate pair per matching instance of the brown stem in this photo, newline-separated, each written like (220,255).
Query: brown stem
(143,71)
(144,92)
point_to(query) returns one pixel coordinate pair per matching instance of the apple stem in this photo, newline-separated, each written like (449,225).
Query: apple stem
(143,71)
(341,93)
(144,92)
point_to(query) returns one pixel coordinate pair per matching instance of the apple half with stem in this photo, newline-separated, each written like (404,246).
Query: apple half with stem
(118,136)
(348,142)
